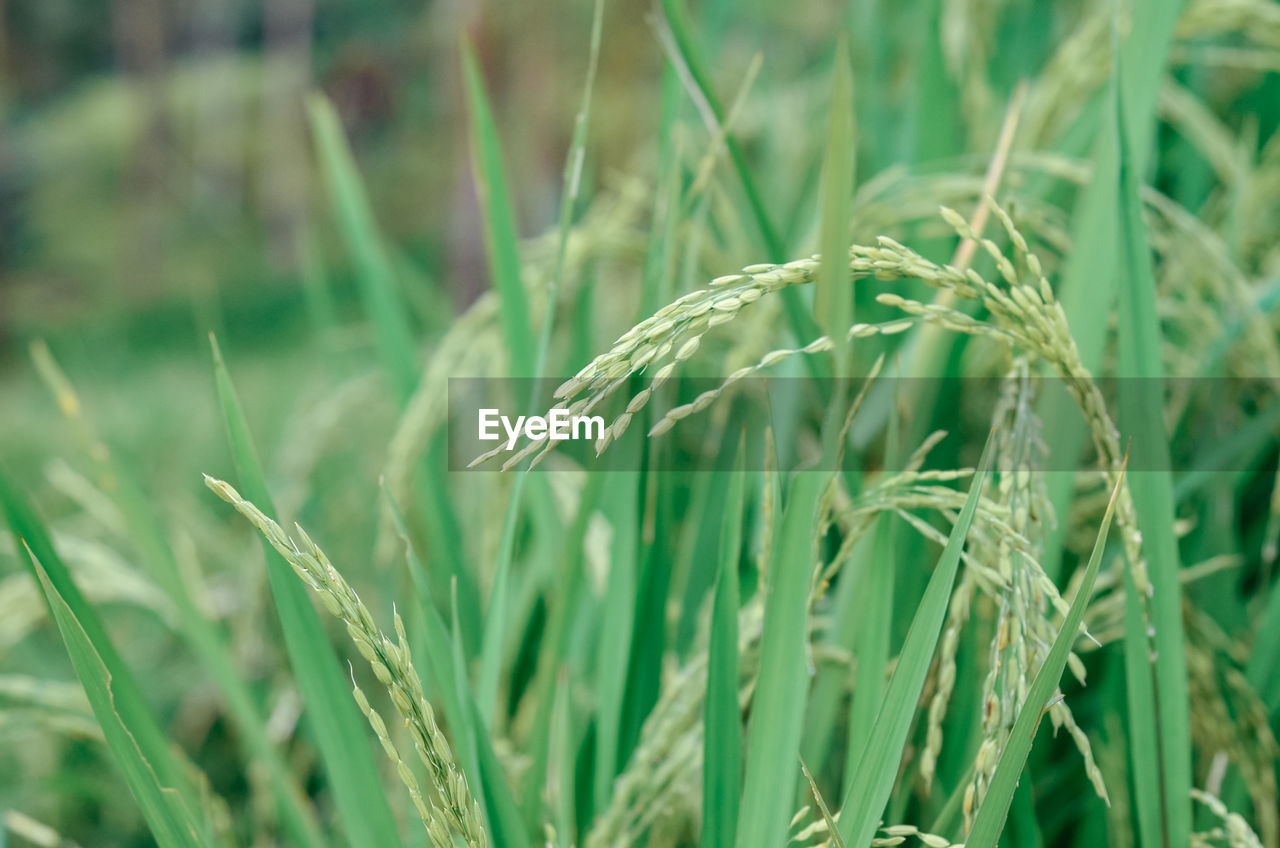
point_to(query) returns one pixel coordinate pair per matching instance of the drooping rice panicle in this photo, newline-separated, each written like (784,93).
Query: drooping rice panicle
(391,663)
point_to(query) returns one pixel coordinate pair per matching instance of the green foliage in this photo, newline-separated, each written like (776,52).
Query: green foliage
(760,609)
(1166,780)
(777,714)
(872,778)
(722,755)
(382,299)
(1000,796)
(500,229)
(164,793)
(338,730)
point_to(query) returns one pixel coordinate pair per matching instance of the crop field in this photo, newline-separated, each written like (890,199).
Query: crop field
(640,423)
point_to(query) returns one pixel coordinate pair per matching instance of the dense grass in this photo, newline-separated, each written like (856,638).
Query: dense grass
(835,616)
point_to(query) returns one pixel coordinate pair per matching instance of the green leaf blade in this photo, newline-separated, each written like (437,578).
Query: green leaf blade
(878,763)
(340,731)
(833,299)
(722,746)
(1000,793)
(501,242)
(375,273)
(129,728)
(777,711)
(1141,421)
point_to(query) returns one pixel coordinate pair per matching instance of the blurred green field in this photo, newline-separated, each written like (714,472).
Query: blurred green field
(257,244)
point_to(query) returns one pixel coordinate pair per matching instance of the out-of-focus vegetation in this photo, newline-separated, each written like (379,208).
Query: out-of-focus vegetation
(156,158)
(359,201)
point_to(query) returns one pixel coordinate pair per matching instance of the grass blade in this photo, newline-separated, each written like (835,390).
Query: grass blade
(649,624)
(375,274)
(1144,742)
(833,299)
(202,635)
(782,690)
(495,622)
(500,229)
(995,806)
(878,763)
(337,725)
(691,55)
(871,644)
(722,751)
(572,185)
(1141,420)
(563,740)
(874,625)
(505,823)
(170,819)
(567,607)
(384,304)
(445,659)
(1090,278)
(623,503)
(832,827)
(125,704)
(798,315)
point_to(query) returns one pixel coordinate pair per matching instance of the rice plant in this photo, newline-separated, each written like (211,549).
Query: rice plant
(928,492)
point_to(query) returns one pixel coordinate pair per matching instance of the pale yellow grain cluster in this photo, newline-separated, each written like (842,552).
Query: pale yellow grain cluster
(1024,626)
(671,336)
(1235,831)
(448,807)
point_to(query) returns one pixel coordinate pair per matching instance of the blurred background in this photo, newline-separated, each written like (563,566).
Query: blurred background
(155,165)
(156,176)
(157,182)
